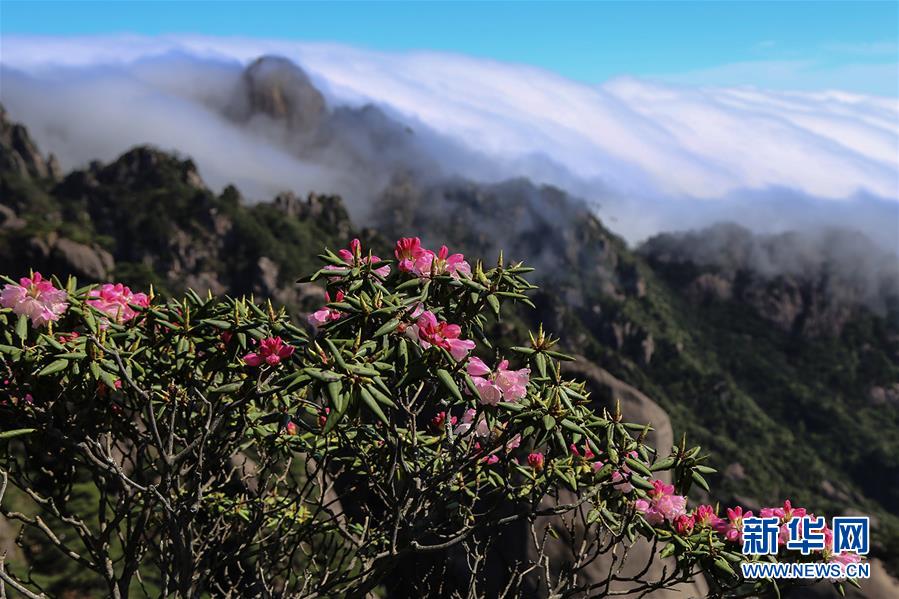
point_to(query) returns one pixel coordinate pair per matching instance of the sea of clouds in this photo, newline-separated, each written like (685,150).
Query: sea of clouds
(651,156)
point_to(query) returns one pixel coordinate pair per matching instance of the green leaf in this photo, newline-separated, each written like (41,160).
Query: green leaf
(640,482)
(219,324)
(22,327)
(448,382)
(16,433)
(334,389)
(699,480)
(387,327)
(53,367)
(373,405)
(494,304)
(229,388)
(540,360)
(638,466)
(665,464)
(549,422)
(380,396)
(335,353)
(571,426)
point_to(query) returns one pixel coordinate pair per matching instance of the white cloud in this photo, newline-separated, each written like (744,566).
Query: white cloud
(641,139)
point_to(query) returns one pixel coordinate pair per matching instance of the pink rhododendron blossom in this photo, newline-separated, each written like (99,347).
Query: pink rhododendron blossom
(476,367)
(513,443)
(115,300)
(407,251)
(621,482)
(621,478)
(845,558)
(291,428)
(705,515)
(587,455)
(353,257)
(35,298)
(491,459)
(513,382)
(502,385)
(663,504)
(482,429)
(535,461)
(271,351)
(732,527)
(325,315)
(442,263)
(785,513)
(428,331)
(684,524)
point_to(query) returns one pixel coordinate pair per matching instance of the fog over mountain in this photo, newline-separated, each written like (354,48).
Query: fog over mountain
(649,157)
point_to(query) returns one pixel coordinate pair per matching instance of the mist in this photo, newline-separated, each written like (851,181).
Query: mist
(847,264)
(647,157)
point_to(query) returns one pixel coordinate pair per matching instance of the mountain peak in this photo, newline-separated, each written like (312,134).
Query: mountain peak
(19,153)
(276,87)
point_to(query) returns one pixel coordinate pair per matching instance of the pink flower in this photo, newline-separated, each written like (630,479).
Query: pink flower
(513,443)
(620,481)
(705,515)
(621,478)
(408,250)
(482,429)
(535,461)
(503,385)
(786,513)
(491,459)
(36,298)
(476,367)
(325,315)
(291,428)
(732,527)
(428,264)
(428,331)
(684,524)
(663,504)
(353,257)
(588,453)
(271,351)
(69,338)
(116,300)
(845,558)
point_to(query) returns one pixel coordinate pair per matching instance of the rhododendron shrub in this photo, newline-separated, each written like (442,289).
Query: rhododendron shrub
(388,448)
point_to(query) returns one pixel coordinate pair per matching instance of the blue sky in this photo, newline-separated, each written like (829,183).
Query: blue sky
(802,45)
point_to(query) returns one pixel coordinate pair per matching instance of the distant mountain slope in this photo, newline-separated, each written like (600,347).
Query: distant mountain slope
(782,411)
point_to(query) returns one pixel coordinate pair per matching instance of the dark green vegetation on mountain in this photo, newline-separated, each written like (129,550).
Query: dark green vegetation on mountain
(792,389)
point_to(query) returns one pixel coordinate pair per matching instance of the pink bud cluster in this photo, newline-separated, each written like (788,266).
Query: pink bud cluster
(36,298)
(501,385)
(424,263)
